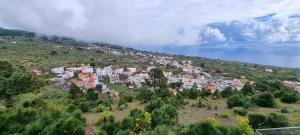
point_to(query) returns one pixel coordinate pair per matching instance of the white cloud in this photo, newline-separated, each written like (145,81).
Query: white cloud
(214,34)
(135,22)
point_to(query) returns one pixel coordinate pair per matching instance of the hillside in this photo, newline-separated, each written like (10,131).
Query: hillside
(70,50)
(58,85)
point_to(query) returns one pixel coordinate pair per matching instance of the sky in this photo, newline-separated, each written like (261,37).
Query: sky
(160,23)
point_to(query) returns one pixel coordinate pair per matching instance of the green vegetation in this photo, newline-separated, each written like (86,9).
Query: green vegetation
(32,105)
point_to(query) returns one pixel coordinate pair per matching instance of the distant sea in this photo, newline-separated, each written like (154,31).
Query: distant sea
(275,54)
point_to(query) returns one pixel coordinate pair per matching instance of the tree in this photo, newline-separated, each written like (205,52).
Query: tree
(70,126)
(144,95)
(247,89)
(91,94)
(6,69)
(227,92)
(154,104)
(143,123)
(109,128)
(193,93)
(21,81)
(5,85)
(265,100)
(74,92)
(156,76)
(99,88)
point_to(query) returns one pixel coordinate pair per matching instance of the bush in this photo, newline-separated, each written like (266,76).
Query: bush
(156,104)
(209,128)
(160,130)
(257,120)
(265,100)
(201,102)
(289,97)
(224,114)
(284,110)
(240,111)
(272,120)
(276,120)
(236,101)
(166,115)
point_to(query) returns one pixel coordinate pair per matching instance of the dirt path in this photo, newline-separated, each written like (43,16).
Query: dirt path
(90,124)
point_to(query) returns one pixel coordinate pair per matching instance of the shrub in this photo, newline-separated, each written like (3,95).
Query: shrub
(236,101)
(201,102)
(160,130)
(224,114)
(276,120)
(104,117)
(166,115)
(284,110)
(265,100)
(240,111)
(272,120)
(257,120)
(156,104)
(209,128)
(289,97)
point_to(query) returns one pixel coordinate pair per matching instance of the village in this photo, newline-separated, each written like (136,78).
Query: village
(87,77)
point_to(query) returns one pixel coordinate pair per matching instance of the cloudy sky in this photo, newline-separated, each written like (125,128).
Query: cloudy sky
(158,23)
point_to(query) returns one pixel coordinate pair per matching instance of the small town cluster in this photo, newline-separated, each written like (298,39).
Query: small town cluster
(87,77)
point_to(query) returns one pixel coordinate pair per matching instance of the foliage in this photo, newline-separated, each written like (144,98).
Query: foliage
(160,130)
(236,101)
(110,127)
(166,115)
(144,94)
(75,92)
(33,121)
(156,76)
(257,121)
(276,120)
(240,111)
(91,94)
(224,114)
(243,124)
(289,97)
(227,92)
(247,89)
(156,104)
(143,123)
(6,69)
(104,117)
(201,102)
(272,120)
(209,128)
(265,100)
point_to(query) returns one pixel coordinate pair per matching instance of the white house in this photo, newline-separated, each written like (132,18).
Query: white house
(58,70)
